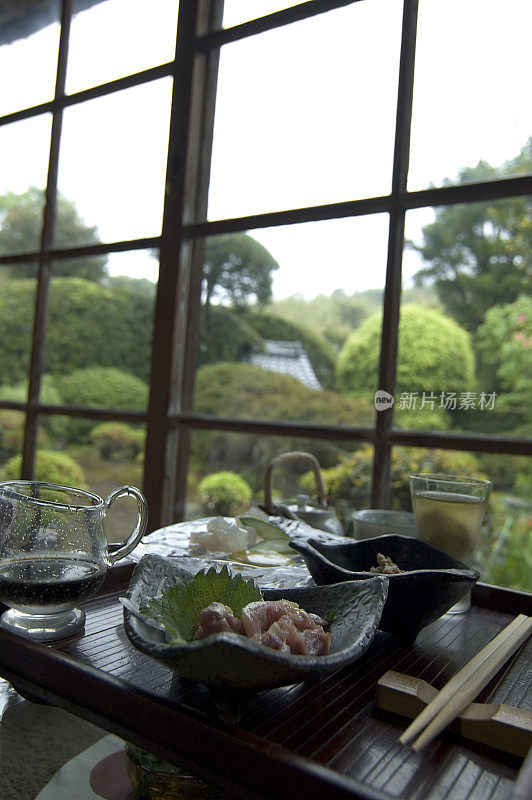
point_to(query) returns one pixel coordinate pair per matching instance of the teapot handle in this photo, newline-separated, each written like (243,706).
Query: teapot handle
(320,487)
(142,520)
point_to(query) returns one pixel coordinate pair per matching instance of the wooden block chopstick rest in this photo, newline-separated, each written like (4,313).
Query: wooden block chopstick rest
(463,687)
(495,724)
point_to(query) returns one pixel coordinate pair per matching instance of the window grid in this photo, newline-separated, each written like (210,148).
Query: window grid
(169,417)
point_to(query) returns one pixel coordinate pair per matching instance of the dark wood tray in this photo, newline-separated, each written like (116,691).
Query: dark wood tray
(320,740)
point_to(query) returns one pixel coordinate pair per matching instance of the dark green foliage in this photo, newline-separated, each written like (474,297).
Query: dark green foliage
(101,387)
(88,324)
(321,355)
(11,432)
(334,317)
(504,347)
(117,441)
(479,254)
(435,355)
(54,425)
(237,268)
(242,390)
(20,232)
(49,466)
(224,493)
(225,335)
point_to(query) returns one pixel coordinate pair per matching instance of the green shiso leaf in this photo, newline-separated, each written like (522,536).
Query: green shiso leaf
(281,546)
(178,609)
(264,529)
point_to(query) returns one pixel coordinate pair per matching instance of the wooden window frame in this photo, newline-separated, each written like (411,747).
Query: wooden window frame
(170,417)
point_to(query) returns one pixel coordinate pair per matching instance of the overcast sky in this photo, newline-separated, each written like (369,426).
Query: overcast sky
(300,120)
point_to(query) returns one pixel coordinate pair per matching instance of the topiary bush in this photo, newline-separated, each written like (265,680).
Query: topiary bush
(224,493)
(50,466)
(243,390)
(88,324)
(54,424)
(12,433)
(100,387)
(435,355)
(117,441)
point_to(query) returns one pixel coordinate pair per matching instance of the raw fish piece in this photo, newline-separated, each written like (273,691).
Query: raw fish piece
(279,621)
(309,642)
(257,617)
(216,618)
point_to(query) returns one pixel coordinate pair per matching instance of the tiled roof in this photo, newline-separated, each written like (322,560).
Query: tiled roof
(288,358)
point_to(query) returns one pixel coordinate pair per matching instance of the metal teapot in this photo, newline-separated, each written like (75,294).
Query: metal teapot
(316,512)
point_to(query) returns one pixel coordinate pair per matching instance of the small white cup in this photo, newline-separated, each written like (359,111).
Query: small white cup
(378,522)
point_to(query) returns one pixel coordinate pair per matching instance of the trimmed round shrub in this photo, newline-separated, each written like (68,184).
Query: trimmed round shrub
(88,324)
(117,441)
(435,355)
(49,466)
(12,433)
(224,493)
(247,391)
(55,424)
(101,387)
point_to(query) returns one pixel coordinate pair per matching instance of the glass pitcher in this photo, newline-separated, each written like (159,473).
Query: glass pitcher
(54,554)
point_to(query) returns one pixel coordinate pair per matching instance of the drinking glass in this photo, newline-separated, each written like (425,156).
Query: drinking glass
(448,512)
(54,554)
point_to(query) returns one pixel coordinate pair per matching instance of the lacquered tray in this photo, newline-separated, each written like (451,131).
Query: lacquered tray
(321,740)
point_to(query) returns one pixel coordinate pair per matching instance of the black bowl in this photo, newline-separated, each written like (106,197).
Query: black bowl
(430,585)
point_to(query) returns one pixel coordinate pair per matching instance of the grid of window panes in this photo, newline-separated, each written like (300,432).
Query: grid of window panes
(223,236)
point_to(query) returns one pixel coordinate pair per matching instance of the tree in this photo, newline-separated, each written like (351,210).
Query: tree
(236,268)
(21,217)
(504,345)
(480,254)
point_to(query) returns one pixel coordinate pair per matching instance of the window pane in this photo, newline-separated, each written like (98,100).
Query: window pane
(17,302)
(294,128)
(98,340)
(24,150)
(346,470)
(128,35)
(29,41)
(289,357)
(465,354)
(93,455)
(470,107)
(113,162)
(503,553)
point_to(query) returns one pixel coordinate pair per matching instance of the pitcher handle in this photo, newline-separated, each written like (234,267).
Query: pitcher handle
(142,521)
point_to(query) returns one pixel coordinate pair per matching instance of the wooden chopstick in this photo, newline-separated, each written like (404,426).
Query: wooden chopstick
(467,683)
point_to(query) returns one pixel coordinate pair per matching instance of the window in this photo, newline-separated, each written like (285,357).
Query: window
(222,236)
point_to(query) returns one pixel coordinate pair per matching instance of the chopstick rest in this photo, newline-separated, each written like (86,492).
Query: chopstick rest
(495,724)
(463,687)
